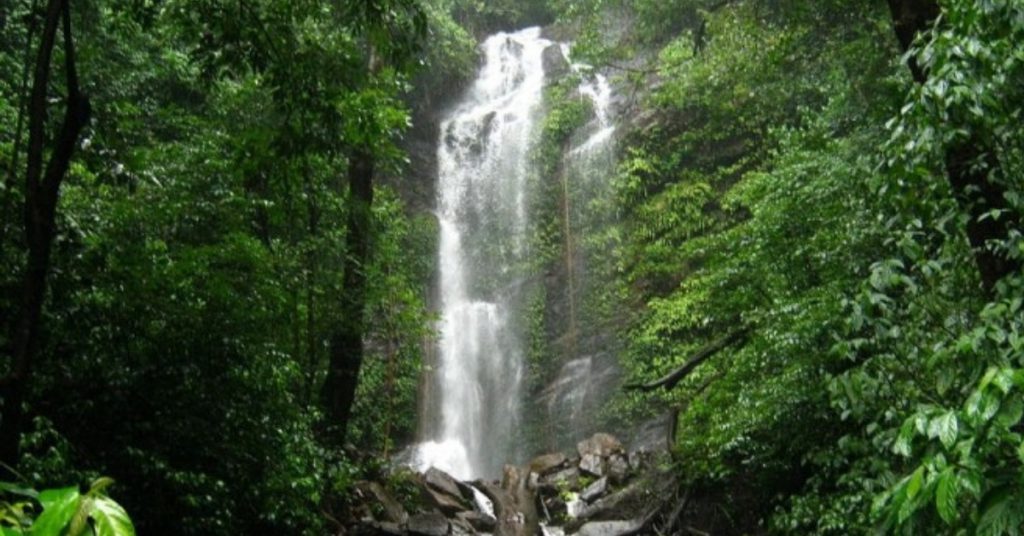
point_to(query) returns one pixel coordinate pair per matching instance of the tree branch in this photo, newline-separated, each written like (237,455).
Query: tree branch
(673,378)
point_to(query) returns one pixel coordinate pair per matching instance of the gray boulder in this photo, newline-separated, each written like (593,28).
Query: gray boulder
(442,481)
(601,445)
(548,463)
(393,510)
(595,490)
(592,464)
(479,521)
(610,528)
(554,61)
(618,468)
(568,478)
(428,524)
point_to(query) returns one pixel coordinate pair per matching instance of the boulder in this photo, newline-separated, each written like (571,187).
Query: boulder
(554,506)
(428,524)
(447,504)
(565,479)
(514,505)
(601,445)
(554,61)
(443,492)
(393,510)
(442,481)
(610,528)
(638,459)
(618,468)
(548,463)
(388,529)
(461,527)
(479,521)
(592,464)
(595,490)
(575,507)
(621,504)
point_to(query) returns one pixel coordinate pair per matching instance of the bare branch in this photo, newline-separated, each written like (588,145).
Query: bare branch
(673,378)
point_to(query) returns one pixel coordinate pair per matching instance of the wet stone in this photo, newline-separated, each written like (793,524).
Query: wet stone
(548,463)
(618,468)
(609,528)
(428,524)
(592,465)
(601,445)
(595,490)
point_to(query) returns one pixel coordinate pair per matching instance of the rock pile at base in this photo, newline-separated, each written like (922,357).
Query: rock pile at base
(601,489)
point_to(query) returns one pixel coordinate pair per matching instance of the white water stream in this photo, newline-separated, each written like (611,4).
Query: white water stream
(483,161)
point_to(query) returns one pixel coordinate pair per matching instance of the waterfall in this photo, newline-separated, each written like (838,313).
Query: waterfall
(481,206)
(473,414)
(589,369)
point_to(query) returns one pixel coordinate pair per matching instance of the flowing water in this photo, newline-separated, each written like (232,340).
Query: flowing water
(589,369)
(474,412)
(483,165)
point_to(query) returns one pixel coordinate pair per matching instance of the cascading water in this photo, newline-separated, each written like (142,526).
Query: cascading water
(482,160)
(587,374)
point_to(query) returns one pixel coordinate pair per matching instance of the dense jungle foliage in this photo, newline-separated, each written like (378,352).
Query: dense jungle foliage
(206,238)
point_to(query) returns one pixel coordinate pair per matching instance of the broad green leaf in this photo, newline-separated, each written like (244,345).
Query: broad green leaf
(903,441)
(914,484)
(996,511)
(59,506)
(1011,411)
(945,496)
(15,489)
(111,519)
(945,428)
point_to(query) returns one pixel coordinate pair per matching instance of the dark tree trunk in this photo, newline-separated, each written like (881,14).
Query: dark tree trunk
(968,163)
(346,343)
(41,193)
(7,195)
(910,17)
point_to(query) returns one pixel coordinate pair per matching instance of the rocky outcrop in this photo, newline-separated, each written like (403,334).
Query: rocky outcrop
(555,64)
(601,489)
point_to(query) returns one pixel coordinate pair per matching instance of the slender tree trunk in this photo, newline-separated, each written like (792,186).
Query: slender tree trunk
(346,343)
(968,163)
(7,195)
(311,271)
(41,193)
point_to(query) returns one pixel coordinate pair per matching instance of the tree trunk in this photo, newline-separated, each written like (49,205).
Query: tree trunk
(41,194)
(346,343)
(968,163)
(7,195)
(910,17)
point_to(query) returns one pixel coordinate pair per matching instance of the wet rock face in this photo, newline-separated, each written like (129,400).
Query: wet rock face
(555,64)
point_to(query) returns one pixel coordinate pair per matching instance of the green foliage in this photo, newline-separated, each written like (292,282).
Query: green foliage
(949,357)
(63,512)
(768,186)
(197,266)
